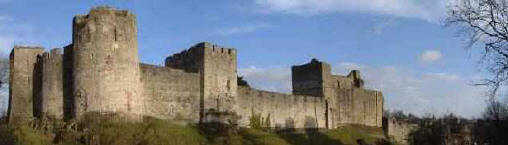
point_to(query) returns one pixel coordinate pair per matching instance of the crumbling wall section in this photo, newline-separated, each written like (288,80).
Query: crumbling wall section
(311,78)
(284,110)
(171,93)
(21,82)
(356,106)
(52,84)
(399,130)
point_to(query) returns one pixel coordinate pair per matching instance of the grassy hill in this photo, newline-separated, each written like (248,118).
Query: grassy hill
(162,132)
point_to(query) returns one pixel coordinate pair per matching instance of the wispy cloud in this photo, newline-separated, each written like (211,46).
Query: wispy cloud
(17,32)
(5,45)
(423,9)
(4,18)
(430,56)
(403,89)
(420,93)
(275,79)
(243,29)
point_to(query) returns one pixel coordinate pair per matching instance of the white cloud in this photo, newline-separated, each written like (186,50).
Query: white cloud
(3,18)
(242,29)
(403,89)
(271,79)
(5,45)
(423,9)
(430,56)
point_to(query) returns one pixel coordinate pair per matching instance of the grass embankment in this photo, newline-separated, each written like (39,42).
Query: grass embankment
(161,132)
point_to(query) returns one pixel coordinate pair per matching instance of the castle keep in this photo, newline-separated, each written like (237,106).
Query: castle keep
(100,72)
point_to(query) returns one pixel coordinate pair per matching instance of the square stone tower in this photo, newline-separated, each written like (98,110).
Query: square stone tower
(21,89)
(311,78)
(217,68)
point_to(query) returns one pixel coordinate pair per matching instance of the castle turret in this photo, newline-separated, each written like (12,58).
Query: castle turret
(21,82)
(105,73)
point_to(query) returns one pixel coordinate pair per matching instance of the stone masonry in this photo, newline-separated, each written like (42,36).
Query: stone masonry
(21,87)
(100,72)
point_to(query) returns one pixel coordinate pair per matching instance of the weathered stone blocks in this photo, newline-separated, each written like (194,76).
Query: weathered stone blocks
(100,73)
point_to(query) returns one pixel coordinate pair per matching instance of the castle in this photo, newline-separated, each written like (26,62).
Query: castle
(100,72)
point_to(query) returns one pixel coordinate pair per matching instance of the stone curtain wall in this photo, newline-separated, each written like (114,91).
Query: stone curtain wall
(100,72)
(285,111)
(170,93)
(106,74)
(21,95)
(356,106)
(52,84)
(399,130)
(347,101)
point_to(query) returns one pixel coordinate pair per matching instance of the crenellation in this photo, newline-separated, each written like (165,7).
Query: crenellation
(100,72)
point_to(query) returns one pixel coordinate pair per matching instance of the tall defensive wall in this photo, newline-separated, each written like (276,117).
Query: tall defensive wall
(100,72)
(347,101)
(105,72)
(21,89)
(51,94)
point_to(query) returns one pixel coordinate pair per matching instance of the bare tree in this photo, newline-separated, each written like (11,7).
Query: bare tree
(4,85)
(485,22)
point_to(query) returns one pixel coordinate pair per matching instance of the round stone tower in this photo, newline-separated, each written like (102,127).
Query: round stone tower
(105,73)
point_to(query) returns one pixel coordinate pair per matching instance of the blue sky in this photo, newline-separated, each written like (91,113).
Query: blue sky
(400,46)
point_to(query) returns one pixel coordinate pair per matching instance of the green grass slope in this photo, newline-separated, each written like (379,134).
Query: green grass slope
(162,132)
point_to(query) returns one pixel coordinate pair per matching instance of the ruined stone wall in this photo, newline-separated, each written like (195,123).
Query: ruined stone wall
(106,73)
(52,84)
(170,93)
(350,103)
(346,99)
(21,95)
(100,72)
(356,106)
(399,130)
(309,79)
(340,82)
(285,111)
(190,60)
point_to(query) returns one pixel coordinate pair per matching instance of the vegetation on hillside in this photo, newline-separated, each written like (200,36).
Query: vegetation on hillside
(452,129)
(107,131)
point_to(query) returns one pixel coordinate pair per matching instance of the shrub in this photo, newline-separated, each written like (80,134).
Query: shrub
(22,135)
(255,121)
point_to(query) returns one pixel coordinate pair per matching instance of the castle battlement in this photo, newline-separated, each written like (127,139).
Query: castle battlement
(100,72)
(55,52)
(215,50)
